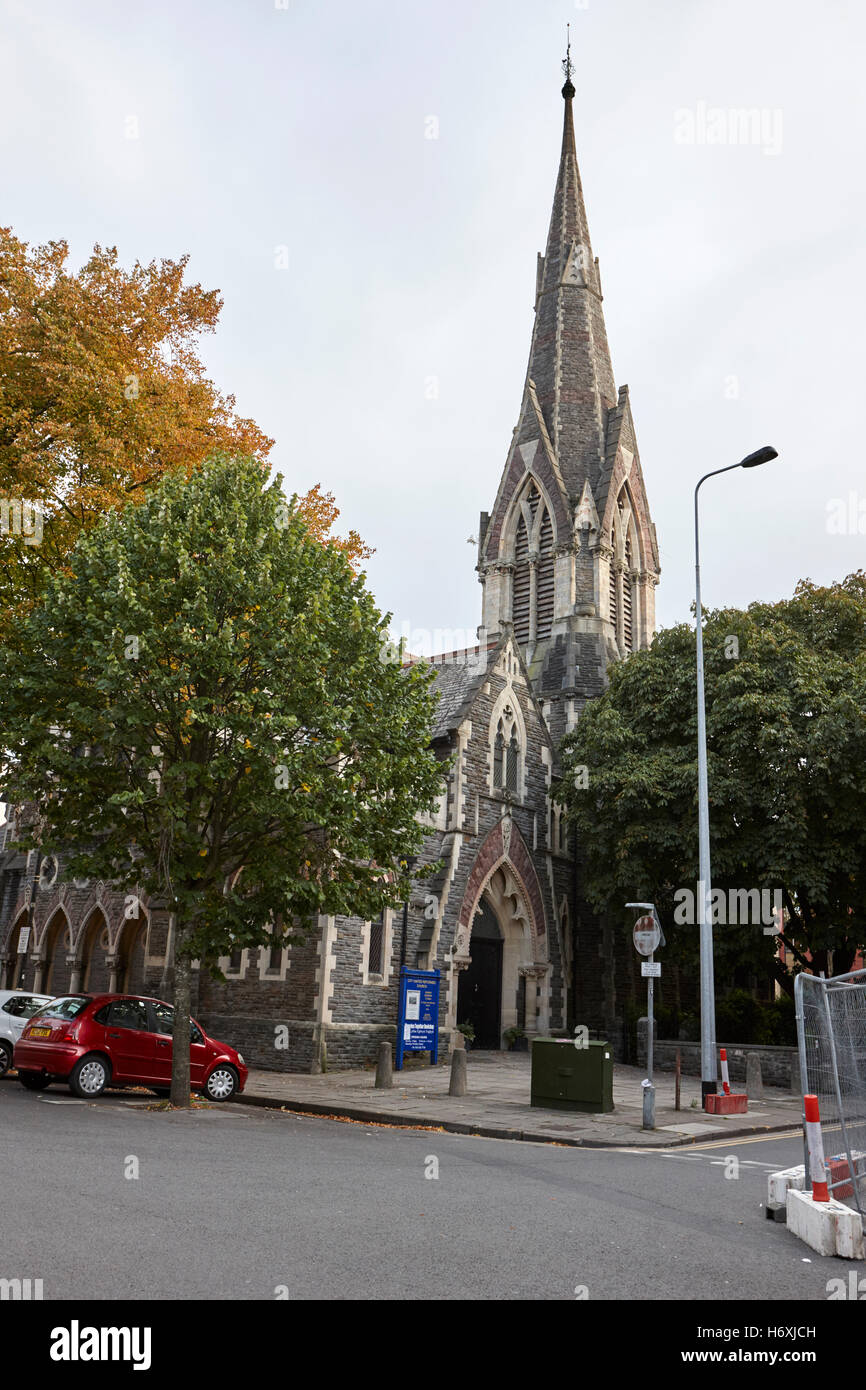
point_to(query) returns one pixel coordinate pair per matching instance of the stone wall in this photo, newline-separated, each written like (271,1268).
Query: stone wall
(779,1065)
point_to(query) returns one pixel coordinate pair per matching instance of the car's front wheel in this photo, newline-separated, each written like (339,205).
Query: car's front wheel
(222,1083)
(5,1058)
(89,1077)
(34,1080)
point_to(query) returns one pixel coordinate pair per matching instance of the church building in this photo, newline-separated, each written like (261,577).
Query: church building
(568,564)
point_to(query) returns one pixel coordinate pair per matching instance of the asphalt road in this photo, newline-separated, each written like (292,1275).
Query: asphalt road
(236,1202)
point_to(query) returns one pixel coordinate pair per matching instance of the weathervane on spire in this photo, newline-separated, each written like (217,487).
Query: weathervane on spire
(568,67)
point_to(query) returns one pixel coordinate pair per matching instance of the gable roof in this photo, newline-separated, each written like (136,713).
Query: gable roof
(457,682)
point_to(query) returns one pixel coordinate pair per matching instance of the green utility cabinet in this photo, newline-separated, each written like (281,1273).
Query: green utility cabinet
(565,1077)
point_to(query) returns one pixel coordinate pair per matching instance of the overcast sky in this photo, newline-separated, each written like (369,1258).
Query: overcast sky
(385,348)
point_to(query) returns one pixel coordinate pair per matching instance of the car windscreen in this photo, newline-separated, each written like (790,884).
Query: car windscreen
(64,1008)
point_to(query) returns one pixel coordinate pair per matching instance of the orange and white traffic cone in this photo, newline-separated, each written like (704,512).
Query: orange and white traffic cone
(726,1084)
(815,1145)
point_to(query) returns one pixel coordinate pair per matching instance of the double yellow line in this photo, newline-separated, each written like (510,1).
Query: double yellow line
(733,1142)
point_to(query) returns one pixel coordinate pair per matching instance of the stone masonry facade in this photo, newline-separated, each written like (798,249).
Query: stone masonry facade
(568,563)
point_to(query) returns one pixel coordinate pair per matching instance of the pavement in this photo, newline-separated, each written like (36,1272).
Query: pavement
(497,1105)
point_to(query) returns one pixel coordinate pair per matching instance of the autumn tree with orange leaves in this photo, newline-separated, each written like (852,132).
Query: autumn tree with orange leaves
(102,393)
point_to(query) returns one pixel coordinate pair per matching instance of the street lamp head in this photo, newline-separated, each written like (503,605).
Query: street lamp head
(760,456)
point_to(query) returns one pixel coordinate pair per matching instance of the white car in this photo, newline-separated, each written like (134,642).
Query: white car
(17,1007)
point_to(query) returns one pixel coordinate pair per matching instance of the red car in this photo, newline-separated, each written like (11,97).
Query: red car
(94,1041)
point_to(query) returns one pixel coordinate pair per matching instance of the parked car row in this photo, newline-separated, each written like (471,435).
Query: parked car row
(91,1041)
(16,1008)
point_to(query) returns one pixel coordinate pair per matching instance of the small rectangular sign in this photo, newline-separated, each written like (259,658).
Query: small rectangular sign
(23,939)
(651,969)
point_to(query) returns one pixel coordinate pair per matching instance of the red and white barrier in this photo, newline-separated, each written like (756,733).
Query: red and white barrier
(815,1145)
(726,1083)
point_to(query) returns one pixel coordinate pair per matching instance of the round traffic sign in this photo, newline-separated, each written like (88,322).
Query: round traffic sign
(646,935)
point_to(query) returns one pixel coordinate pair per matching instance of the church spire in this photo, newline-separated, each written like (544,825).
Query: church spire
(569,360)
(568,555)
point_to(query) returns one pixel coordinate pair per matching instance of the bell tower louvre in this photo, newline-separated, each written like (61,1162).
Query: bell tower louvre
(568,556)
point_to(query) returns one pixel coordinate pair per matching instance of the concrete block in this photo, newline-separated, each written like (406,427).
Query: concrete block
(831,1228)
(775,1212)
(813,1222)
(779,1183)
(728,1105)
(850,1244)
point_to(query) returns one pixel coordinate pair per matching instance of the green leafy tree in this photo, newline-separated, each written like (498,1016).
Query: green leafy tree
(786,736)
(201,709)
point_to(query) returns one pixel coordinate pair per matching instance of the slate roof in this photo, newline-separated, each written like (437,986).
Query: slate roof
(455,684)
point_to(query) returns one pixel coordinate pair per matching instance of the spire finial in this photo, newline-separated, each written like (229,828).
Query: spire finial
(568,67)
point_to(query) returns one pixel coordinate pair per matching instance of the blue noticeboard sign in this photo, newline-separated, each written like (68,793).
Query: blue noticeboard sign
(418,1019)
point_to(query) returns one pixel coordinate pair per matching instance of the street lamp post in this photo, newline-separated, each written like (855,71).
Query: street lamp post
(708,1001)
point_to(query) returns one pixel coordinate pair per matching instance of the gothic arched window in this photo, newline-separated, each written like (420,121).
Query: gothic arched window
(624,566)
(533,584)
(498,752)
(613,604)
(507,751)
(512,762)
(628,633)
(544,583)
(520,600)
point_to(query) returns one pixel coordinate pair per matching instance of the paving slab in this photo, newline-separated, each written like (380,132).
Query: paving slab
(497,1105)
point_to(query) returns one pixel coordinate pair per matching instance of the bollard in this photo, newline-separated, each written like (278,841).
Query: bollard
(384,1075)
(457,1085)
(754,1077)
(815,1145)
(726,1085)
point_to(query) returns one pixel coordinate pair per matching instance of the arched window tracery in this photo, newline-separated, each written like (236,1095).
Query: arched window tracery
(533,576)
(507,752)
(521,595)
(624,567)
(627,627)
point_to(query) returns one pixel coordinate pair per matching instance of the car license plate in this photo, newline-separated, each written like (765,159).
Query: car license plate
(40,1032)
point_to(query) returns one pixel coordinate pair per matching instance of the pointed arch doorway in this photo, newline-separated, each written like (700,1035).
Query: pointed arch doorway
(479,988)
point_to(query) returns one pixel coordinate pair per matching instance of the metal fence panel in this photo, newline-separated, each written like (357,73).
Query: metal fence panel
(831,1034)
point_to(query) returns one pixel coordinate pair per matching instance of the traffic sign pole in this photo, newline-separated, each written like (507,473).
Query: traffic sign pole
(649,1091)
(648,936)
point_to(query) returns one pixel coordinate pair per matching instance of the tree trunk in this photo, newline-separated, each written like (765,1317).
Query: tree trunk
(180,1044)
(783,977)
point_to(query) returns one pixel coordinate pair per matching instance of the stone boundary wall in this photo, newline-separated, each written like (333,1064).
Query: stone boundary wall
(780,1066)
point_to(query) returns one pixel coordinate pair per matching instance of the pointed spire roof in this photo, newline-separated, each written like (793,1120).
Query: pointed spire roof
(569,361)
